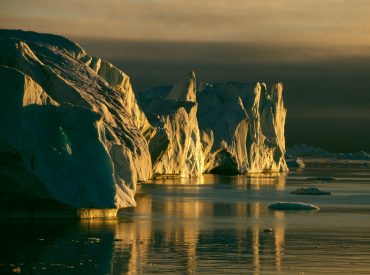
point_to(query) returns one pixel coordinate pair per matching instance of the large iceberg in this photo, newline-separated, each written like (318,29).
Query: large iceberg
(73,134)
(71,129)
(232,127)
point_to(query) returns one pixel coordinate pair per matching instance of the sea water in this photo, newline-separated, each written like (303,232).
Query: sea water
(212,224)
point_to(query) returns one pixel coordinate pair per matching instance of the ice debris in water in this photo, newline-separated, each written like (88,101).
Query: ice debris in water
(309,191)
(321,179)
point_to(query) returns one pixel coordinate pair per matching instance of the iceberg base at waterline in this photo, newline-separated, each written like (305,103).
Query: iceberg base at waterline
(60,214)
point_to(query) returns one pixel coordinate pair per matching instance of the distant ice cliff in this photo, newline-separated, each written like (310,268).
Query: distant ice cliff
(303,150)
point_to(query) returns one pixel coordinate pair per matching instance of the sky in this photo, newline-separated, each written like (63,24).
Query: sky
(319,49)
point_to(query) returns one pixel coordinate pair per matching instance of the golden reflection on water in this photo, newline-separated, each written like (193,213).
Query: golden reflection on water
(176,180)
(252,181)
(256,181)
(199,228)
(279,237)
(183,222)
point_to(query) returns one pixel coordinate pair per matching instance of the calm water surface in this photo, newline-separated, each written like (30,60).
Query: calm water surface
(213,224)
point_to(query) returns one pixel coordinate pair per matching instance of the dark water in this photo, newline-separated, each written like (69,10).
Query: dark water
(213,224)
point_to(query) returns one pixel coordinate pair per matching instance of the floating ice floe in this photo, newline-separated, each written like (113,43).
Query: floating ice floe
(294,163)
(293,206)
(321,179)
(309,191)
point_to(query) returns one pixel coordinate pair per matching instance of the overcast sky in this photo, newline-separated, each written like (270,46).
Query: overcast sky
(319,49)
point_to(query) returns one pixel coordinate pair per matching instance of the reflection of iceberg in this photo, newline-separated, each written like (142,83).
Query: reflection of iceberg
(176,180)
(275,179)
(177,235)
(252,181)
(279,237)
(133,239)
(88,213)
(172,235)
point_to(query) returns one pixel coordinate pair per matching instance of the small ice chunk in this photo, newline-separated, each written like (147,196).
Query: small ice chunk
(17,270)
(94,240)
(295,163)
(309,191)
(293,206)
(321,179)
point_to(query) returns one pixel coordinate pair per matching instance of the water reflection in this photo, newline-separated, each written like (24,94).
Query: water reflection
(179,226)
(189,231)
(190,236)
(214,224)
(56,246)
(252,181)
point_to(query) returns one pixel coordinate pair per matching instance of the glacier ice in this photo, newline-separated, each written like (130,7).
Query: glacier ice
(176,147)
(247,123)
(75,127)
(240,127)
(119,81)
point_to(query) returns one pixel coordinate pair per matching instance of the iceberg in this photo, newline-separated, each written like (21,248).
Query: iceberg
(247,124)
(70,123)
(75,135)
(294,162)
(236,127)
